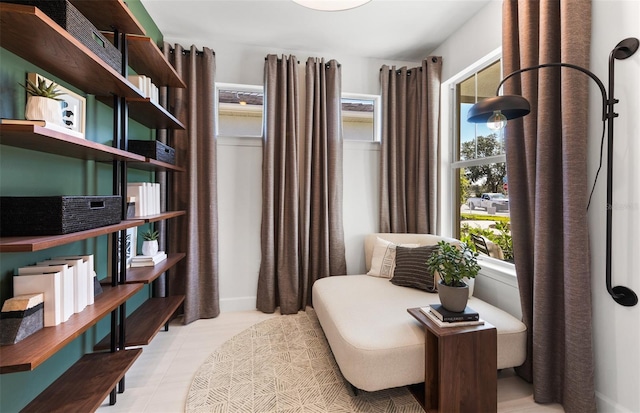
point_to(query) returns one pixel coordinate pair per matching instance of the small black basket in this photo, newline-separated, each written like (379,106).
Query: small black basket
(154,150)
(57,215)
(70,19)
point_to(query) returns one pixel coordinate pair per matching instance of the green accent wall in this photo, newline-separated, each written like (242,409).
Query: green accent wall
(24,172)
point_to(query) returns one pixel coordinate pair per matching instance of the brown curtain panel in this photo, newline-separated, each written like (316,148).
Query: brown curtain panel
(280,269)
(548,190)
(195,191)
(323,251)
(409,158)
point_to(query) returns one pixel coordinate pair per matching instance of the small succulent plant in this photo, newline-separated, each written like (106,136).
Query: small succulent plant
(150,235)
(42,89)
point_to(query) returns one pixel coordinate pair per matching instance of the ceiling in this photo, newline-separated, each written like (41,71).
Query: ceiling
(406,30)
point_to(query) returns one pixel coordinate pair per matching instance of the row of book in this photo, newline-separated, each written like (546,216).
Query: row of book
(146,196)
(445,318)
(146,86)
(66,282)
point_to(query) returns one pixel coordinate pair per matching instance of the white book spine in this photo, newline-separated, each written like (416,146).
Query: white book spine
(67,285)
(47,284)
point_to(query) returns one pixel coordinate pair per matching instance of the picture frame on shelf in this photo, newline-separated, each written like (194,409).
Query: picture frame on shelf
(131,246)
(74,106)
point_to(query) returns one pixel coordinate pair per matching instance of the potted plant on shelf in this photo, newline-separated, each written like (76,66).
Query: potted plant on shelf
(43,102)
(453,264)
(150,243)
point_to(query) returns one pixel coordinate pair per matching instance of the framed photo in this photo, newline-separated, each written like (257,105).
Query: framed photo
(73,106)
(131,247)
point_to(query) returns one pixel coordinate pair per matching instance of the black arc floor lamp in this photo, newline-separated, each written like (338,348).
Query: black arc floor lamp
(497,110)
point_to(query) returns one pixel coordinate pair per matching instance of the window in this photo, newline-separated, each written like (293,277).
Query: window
(360,117)
(480,180)
(239,110)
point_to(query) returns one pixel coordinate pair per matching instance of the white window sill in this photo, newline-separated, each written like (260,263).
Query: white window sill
(498,270)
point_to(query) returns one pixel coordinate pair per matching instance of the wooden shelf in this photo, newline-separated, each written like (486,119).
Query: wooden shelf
(147,59)
(96,374)
(41,139)
(110,15)
(32,35)
(144,323)
(148,113)
(162,216)
(29,353)
(154,165)
(42,242)
(146,275)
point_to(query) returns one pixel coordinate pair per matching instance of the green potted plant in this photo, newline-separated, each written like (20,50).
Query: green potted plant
(453,264)
(150,243)
(43,102)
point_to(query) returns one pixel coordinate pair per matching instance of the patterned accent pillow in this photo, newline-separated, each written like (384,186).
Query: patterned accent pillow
(411,268)
(383,259)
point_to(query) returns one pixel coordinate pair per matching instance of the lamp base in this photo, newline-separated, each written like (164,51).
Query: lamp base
(624,296)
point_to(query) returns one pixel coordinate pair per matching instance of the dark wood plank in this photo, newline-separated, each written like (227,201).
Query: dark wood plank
(41,139)
(144,323)
(35,349)
(148,113)
(146,275)
(95,374)
(162,216)
(32,35)
(109,15)
(42,242)
(154,165)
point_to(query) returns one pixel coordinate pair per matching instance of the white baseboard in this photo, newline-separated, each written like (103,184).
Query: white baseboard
(606,405)
(228,305)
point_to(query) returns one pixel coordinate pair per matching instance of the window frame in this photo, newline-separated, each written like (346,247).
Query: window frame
(377,115)
(238,87)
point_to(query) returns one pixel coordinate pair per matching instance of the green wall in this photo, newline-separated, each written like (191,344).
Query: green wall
(25,172)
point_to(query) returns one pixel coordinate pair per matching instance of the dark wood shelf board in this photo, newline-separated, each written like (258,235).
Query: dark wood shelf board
(96,374)
(112,14)
(41,139)
(29,353)
(32,35)
(147,275)
(154,165)
(147,59)
(148,113)
(144,323)
(42,242)
(162,216)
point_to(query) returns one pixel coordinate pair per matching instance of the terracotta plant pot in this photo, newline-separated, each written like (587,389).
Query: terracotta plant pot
(42,108)
(453,298)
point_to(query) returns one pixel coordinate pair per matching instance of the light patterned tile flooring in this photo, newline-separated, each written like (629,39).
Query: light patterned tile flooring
(159,380)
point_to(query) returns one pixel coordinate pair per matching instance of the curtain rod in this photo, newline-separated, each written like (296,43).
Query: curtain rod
(434,59)
(187,51)
(326,64)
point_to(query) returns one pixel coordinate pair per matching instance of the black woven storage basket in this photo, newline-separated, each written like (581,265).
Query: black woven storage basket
(56,215)
(154,150)
(70,19)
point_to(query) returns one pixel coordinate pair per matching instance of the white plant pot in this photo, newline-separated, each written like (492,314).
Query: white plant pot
(149,248)
(42,108)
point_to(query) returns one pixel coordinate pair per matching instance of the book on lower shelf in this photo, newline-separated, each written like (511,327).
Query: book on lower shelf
(468,314)
(148,261)
(429,313)
(44,124)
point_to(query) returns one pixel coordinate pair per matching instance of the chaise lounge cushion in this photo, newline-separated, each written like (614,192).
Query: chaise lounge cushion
(376,343)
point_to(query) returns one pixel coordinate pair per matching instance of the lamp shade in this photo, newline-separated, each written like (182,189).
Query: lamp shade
(511,106)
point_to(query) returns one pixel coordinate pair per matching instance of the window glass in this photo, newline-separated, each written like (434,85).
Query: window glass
(239,110)
(360,114)
(481,182)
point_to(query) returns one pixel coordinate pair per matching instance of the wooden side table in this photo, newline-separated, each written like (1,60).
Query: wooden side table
(461,367)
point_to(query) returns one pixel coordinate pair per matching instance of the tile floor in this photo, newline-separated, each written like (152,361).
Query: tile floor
(159,380)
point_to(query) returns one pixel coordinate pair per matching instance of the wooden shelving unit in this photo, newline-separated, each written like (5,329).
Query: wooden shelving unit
(37,348)
(146,275)
(95,373)
(112,14)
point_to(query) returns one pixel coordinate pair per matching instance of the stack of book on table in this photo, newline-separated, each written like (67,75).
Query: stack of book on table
(445,318)
(148,260)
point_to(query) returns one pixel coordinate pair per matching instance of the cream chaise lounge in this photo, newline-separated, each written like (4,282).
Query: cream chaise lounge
(376,343)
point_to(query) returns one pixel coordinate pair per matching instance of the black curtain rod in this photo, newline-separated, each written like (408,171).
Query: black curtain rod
(326,64)
(187,51)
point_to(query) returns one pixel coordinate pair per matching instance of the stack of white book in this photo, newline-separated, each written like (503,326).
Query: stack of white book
(148,260)
(66,282)
(146,86)
(147,197)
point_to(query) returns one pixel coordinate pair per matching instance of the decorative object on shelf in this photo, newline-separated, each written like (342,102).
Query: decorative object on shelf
(499,109)
(56,215)
(453,264)
(131,207)
(43,102)
(154,150)
(72,107)
(50,285)
(147,196)
(146,86)
(148,260)
(21,316)
(65,302)
(150,243)
(131,245)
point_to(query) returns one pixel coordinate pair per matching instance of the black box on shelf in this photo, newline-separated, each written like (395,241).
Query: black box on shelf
(57,215)
(74,22)
(154,150)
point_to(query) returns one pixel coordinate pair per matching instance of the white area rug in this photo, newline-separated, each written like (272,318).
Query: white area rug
(284,365)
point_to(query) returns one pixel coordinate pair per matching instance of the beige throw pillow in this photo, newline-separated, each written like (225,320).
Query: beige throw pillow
(383,259)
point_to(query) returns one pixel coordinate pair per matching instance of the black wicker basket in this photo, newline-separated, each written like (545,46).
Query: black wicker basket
(154,150)
(70,19)
(57,215)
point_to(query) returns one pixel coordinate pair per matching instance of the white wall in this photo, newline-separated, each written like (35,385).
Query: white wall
(616,328)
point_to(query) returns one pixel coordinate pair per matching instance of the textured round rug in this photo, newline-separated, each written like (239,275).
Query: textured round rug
(284,365)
